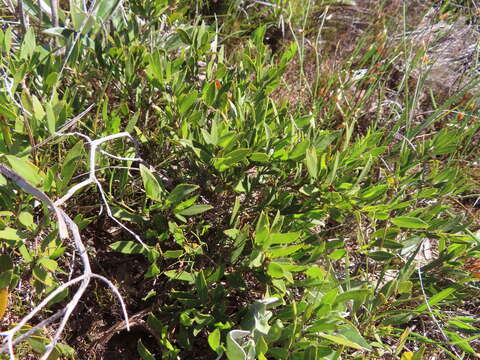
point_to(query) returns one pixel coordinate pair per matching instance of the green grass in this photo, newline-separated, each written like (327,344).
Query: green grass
(319,201)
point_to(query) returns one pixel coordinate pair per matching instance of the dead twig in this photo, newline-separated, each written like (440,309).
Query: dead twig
(67,226)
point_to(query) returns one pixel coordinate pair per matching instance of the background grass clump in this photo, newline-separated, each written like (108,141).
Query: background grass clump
(304,193)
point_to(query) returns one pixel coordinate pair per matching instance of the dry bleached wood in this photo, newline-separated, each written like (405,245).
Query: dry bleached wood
(66,224)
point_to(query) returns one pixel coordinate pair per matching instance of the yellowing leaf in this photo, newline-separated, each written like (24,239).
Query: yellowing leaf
(3,301)
(407,355)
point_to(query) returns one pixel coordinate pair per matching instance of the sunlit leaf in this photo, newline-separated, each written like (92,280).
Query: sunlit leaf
(340,340)
(26,169)
(409,222)
(435,299)
(128,247)
(214,339)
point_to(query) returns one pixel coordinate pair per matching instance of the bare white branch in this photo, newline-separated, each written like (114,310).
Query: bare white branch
(66,227)
(39,194)
(94,147)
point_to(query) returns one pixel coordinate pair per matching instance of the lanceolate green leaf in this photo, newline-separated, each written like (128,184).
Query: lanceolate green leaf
(70,164)
(312,162)
(106,8)
(276,252)
(195,209)
(202,287)
(180,275)
(351,333)
(180,192)
(144,353)
(152,187)
(26,169)
(12,234)
(340,340)
(435,299)
(357,295)
(209,93)
(28,45)
(214,339)
(409,222)
(128,247)
(286,238)
(373,192)
(299,150)
(186,102)
(230,159)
